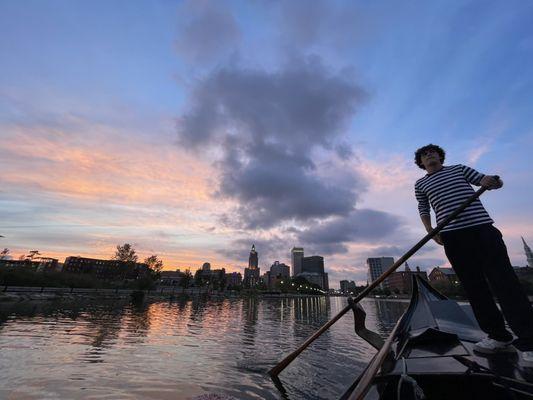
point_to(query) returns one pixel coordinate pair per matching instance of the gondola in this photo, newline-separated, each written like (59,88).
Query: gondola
(430,355)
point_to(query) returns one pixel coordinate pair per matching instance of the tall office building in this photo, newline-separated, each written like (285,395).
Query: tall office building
(313,264)
(297,255)
(376,267)
(313,271)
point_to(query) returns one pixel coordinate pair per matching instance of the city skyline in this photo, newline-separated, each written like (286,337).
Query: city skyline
(254,259)
(193,129)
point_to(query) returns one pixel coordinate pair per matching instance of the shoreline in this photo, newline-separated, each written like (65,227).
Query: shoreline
(21,293)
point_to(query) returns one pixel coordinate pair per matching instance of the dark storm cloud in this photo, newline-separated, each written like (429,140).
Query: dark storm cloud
(208,30)
(344,151)
(299,106)
(281,188)
(269,126)
(278,136)
(365,225)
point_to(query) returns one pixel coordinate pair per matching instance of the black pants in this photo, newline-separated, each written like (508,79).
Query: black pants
(479,257)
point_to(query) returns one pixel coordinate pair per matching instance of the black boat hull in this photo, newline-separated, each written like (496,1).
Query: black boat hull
(431,351)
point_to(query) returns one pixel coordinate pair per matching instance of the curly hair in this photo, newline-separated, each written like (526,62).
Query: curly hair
(422,150)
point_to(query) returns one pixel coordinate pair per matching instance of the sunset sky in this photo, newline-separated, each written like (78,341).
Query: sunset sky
(194,129)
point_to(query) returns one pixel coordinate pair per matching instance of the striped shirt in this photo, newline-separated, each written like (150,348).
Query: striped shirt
(448,188)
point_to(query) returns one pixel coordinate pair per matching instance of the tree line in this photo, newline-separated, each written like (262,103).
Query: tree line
(27,275)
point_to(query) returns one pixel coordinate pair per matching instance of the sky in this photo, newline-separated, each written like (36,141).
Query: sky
(194,129)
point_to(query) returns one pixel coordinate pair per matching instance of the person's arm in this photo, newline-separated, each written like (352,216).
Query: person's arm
(477,178)
(426,221)
(423,209)
(490,182)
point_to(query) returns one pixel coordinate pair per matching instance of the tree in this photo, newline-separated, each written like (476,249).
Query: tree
(32,254)
(200,278)
(155,265)
(186,279)
(4,255)
(125,253)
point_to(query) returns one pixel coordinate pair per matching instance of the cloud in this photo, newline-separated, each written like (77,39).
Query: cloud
(276,189)
(332,28)
(302,22)
(208,31)
(74,184)
(269,129)
(299,106)
(329,237)
(89,161)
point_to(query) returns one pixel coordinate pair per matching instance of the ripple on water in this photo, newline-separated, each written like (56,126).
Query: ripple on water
(181,349)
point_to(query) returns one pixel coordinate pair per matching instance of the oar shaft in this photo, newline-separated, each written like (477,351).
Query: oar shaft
(287,360)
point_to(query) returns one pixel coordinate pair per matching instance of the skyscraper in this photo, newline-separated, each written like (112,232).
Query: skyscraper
(313,264)
(253,260)
(252,273)
(376,267)
(312,269)
(297,255)
(529,254)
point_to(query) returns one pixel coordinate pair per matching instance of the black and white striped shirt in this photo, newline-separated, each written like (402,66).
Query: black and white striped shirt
(447,189)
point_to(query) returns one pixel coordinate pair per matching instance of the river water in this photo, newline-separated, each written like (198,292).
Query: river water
(179,349)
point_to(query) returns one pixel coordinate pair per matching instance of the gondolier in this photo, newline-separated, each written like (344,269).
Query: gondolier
(476,251)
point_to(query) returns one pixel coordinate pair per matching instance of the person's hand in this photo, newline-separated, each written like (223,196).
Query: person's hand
(438,239)
(491,182)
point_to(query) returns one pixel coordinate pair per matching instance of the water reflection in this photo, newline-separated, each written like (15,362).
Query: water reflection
(109,348)
(387,313)
(249,316)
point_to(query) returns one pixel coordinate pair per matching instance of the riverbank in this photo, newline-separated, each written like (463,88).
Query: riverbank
(23,293)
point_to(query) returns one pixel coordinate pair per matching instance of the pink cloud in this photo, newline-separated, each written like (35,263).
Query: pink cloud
(104,165)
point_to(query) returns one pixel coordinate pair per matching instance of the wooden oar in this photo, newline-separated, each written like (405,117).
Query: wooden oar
(287,360)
